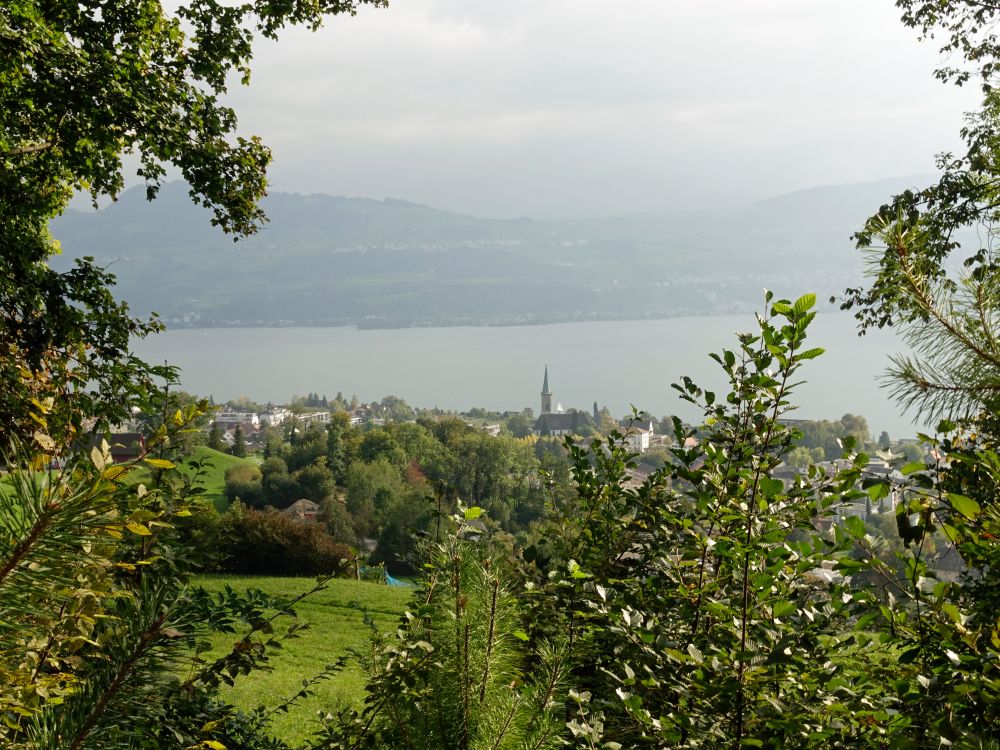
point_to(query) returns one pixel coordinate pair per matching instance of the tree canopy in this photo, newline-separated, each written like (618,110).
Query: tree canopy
(83,85)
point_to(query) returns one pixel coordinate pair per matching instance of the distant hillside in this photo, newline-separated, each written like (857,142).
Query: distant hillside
(325,260)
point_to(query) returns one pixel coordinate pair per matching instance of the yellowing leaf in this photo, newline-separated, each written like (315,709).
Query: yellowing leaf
(45,407)
(98,458)
(160,463)
(114,472)
(137,528)
(44,441)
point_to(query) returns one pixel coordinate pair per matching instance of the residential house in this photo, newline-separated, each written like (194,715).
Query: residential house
(637,432)
(228,420)
(303,510)
(274,417)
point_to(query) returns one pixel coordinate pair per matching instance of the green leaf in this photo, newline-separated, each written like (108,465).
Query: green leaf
(804,303)
(912,467)
(951,532)
(878,491)
(952,611)
(964,505)
(855,527)
(473,513)
(770,487)
(812,353)
(783,607)
(520,635)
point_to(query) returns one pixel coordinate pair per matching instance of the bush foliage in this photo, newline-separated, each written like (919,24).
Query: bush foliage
(269,542)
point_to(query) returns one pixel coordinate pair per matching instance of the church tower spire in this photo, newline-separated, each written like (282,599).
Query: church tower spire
(546,394)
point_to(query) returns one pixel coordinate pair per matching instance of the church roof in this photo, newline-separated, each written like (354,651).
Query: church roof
(571,420)
(545,383)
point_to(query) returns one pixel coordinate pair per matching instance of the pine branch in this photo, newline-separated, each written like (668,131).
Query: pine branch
(489,638)
(147,637)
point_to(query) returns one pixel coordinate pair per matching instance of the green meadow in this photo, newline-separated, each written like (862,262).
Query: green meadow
(213,475)
(336,617)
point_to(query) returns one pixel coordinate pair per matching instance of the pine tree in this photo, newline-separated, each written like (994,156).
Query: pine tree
(215,441)
(336,460)
(239,443)
(92,642)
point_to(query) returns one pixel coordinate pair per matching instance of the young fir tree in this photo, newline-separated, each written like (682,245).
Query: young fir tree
(239,443)
(459,673)
(215,441)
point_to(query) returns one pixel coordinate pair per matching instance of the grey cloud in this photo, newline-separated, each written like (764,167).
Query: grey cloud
(556,108)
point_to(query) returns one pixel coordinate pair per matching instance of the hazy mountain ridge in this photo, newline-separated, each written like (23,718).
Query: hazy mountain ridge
(325,260)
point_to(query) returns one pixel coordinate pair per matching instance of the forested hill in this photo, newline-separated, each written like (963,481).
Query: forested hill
(324,260)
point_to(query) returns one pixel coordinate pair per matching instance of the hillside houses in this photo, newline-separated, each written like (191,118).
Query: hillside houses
(275,417)
(254,421)
(229,420)
(638,433)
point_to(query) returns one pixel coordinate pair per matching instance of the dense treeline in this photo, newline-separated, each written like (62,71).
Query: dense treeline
(390,483)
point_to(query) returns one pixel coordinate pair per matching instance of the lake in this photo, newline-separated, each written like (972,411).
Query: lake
(615,363)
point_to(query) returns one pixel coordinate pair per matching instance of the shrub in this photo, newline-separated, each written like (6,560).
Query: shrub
(271,543)
(338,520)
(314,482)
(243,483)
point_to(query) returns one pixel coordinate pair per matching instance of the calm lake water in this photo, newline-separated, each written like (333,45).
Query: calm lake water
(615,363)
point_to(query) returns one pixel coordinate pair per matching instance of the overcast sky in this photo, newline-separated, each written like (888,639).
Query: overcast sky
(568,108)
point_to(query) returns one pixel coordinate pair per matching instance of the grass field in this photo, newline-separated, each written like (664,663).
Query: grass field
(214,477)
(336,625)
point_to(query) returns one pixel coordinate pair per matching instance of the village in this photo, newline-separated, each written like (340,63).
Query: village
(238,429)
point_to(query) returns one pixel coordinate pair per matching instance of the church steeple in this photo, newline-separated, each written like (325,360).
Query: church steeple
(546,394)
